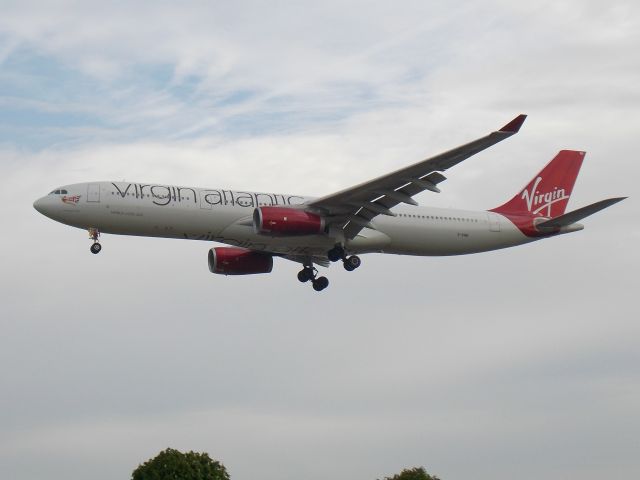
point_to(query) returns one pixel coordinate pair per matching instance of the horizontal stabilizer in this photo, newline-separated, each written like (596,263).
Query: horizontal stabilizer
(577,215)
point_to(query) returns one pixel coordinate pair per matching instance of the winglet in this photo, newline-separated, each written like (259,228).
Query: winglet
(514,125)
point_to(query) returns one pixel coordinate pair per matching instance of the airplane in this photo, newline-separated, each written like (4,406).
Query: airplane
(377,216)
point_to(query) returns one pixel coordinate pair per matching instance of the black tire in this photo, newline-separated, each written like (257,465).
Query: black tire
(95,248)
(320,283)
(305,275)
(354,261)
(335,254)
(347,266)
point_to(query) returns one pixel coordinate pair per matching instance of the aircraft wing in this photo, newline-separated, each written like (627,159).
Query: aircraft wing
(355,207)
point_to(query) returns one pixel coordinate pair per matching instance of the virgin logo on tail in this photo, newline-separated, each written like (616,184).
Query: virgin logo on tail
(534,198)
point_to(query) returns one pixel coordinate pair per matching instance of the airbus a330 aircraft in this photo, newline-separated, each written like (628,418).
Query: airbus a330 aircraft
(376,216)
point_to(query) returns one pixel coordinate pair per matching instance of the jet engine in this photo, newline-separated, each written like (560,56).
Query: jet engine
(238,261)
(278,221)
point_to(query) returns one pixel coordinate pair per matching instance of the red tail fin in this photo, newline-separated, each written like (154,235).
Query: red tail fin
(548,193)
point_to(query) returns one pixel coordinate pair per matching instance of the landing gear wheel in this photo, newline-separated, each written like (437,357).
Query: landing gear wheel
(320,283)
(336,253)
(305,274)
(352,263)
(95,248)
(309,272)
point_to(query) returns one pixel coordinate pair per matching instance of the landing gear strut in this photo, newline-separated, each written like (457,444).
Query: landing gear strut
(338,253)
(94,234)
(311,273)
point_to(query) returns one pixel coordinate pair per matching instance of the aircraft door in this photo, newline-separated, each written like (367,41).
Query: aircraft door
(494,222)
(93,192)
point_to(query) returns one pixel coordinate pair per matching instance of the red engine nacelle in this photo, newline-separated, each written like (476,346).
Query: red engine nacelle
(280,221)
(238,261)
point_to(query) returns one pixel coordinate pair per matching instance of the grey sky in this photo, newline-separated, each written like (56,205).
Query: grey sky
(520,363)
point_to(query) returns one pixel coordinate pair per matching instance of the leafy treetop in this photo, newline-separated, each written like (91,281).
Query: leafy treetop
(417,473)
(172,464)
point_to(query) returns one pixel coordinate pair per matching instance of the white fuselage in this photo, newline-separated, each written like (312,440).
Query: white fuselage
(225,216)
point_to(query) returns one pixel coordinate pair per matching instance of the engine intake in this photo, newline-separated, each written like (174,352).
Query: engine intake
(238,261)
(278,221)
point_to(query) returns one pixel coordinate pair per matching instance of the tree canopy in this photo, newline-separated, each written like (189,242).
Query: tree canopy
(417,473)
(172,464)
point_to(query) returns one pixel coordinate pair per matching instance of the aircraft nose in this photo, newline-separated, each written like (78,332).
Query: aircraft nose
(38,205)
(41,206)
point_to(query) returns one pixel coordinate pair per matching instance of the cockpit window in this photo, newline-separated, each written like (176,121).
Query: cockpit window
(59,191)
(63,192)
(55,192)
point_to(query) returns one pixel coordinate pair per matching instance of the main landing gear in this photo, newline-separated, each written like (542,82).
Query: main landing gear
(311,273)
(349,263)
(94,233)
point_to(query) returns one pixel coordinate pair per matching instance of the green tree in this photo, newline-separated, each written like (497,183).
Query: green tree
(417,473)
(171,464)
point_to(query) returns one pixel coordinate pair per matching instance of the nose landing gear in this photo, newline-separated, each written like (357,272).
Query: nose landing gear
(311,273)
(94,234)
